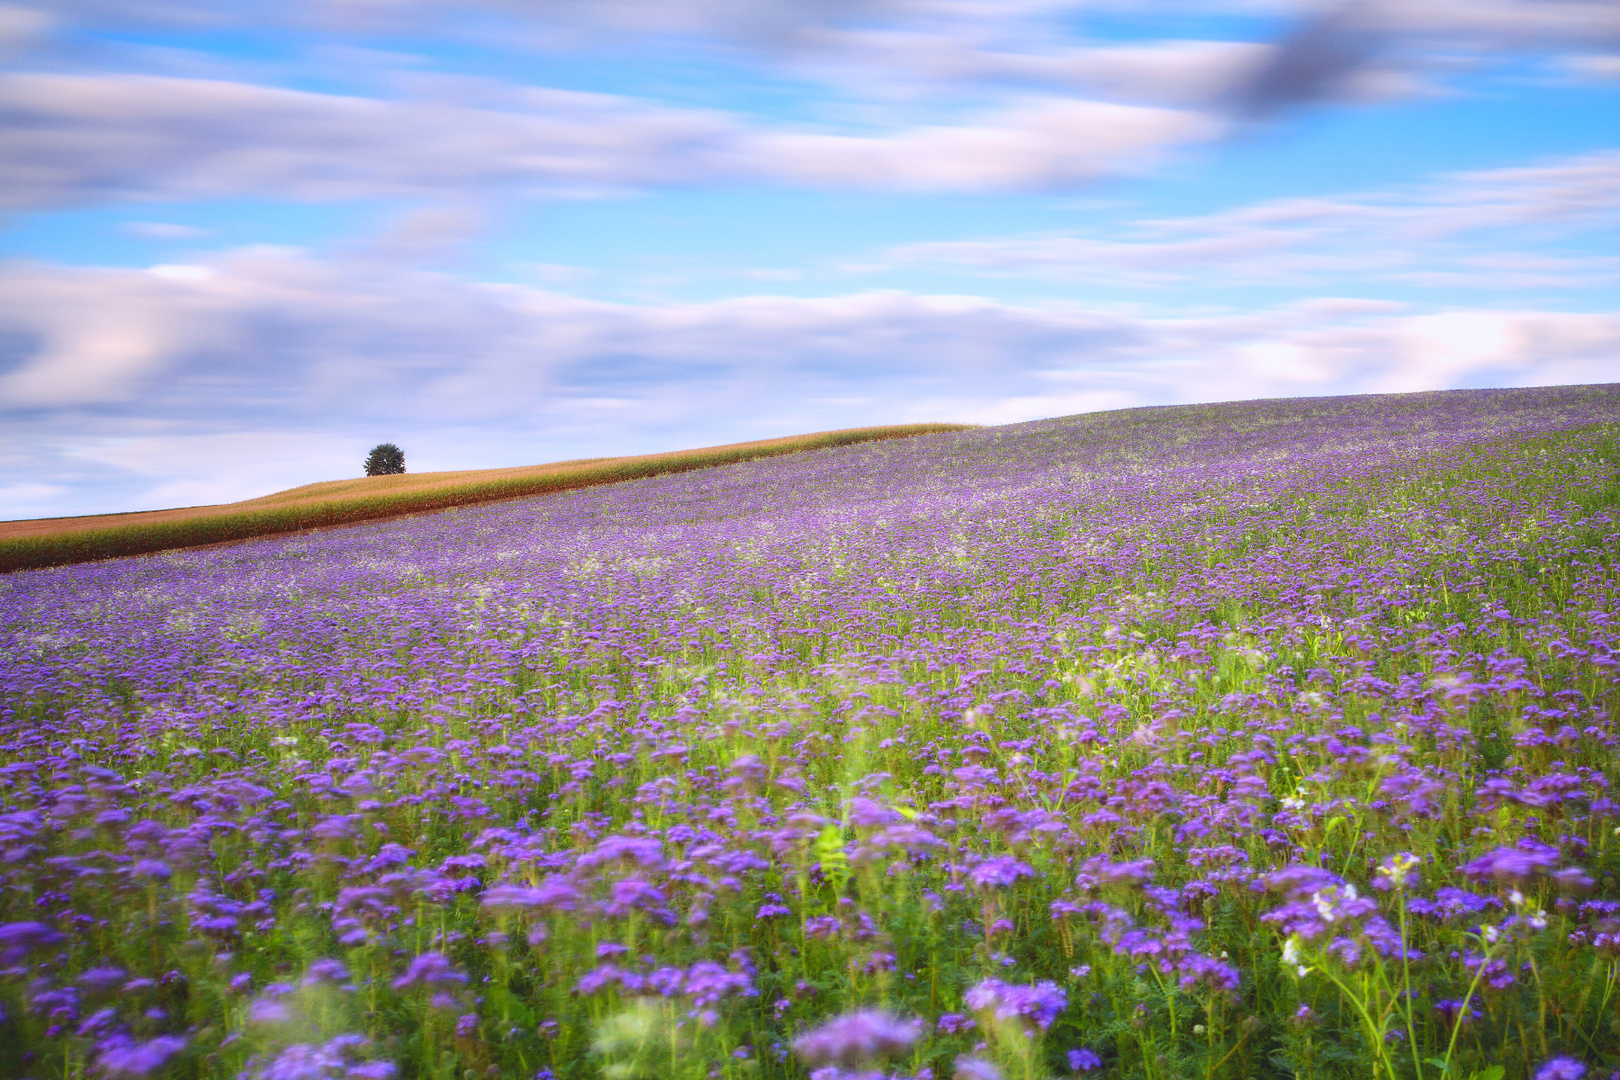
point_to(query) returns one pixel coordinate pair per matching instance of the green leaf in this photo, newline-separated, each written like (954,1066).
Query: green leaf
(830,853)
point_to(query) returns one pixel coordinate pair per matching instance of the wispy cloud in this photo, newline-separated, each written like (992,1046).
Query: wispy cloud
(74,139)
(165,230)
(1419,236)
(1332,50)
(87,139)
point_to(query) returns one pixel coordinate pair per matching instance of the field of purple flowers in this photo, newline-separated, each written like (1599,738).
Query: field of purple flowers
(1273,739)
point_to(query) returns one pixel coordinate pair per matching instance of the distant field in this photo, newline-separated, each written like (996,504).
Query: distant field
(42,542)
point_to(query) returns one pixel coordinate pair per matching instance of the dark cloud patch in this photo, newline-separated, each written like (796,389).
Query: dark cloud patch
(1316,61)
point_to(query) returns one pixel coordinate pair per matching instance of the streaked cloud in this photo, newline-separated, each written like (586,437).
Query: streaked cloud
(86,139)
(75,139)
(1415,235)
(165,230)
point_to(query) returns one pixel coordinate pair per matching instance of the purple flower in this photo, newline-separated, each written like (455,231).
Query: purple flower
(430,970)
(1451,1011)
(866,814)
(325,970)
(999,872)
(335,1060)
(1039,1004)
(18,939)
(976,1068)
(1084,1060)
(1098,871)
(634,893)
(1561,1068)
(553,894)
(268,1011)
(1519,865)
(708,982)
(101,979)
(857,1038)
(122,1056)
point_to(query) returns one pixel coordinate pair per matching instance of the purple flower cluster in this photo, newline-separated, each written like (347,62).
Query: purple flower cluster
(857,1038)
(1039,1004)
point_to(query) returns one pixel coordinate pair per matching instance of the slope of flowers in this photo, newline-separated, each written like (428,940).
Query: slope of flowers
(1256,740)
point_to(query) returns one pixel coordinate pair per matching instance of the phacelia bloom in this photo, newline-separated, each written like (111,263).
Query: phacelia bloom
(867,814)
(1039,1004)
(857,1038)
(101,979)
(122,1056)
(268,1011)
(708,982)
(1451,1011)
(337,1059)
(1084,1060)
(18,939)
(1519,865)
(1561,1068)
(999,872)
(554,894)
(976,1068)
(325,970)
(1098,871)
(822,926)
(430,970)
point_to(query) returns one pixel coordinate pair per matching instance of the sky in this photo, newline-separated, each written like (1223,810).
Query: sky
(243,241)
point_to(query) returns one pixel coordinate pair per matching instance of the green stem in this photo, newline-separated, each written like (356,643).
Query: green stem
(1462,1010)
(1406,983)
(1374,1035)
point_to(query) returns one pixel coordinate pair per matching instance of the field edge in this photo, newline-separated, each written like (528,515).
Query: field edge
(42,551)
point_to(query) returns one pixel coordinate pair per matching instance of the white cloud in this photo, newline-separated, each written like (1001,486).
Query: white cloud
(1594,65)
(1013,96)
(85,138)
(22,27)
(138,405)
(165,230)
(89,138)
(27,499)
(1421,237)
(1035,145)
(1350,50)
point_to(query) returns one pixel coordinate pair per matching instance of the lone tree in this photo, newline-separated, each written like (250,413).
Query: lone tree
(385,459)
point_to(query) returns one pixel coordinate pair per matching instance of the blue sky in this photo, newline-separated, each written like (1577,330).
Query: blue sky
(244,242)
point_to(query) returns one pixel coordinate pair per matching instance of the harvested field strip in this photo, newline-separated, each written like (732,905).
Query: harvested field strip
(75,540)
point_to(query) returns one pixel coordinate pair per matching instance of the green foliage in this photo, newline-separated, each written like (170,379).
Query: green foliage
(385,459)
